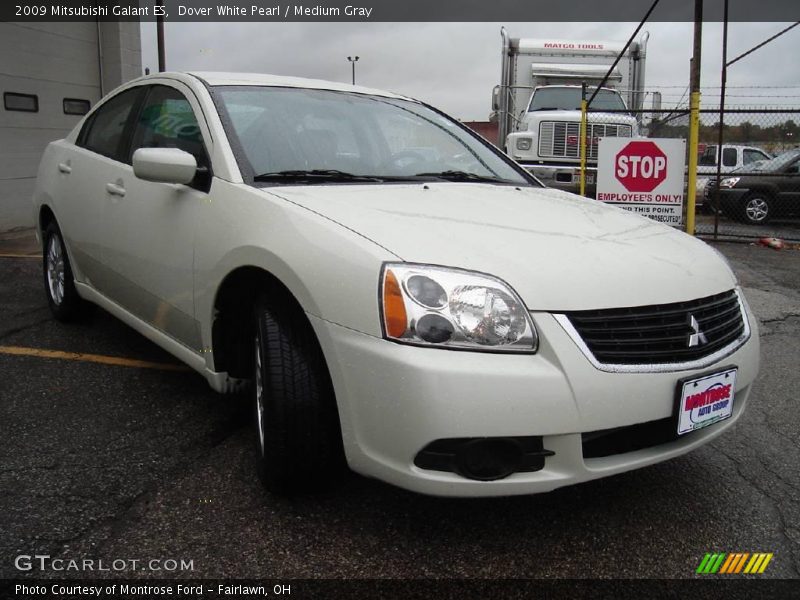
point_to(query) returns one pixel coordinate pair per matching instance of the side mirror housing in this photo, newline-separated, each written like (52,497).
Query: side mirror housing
(164,165)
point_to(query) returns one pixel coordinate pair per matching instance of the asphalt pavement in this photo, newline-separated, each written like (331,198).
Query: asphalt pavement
(118,461)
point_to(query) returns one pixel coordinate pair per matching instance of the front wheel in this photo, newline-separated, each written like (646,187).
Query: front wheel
(756,209)
(299,440)
(59,285)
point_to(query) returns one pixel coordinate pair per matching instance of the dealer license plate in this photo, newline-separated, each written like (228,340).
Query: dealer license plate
(705,400)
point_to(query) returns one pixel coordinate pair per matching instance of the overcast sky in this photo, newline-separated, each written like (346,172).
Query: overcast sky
(454,66)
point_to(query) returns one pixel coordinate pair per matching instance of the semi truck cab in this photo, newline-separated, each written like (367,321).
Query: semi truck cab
(537,103)
(547,142)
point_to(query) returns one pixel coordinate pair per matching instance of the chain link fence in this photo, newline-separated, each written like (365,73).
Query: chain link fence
(748,189)
(753,190)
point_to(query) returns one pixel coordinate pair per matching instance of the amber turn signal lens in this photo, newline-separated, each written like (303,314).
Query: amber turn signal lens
(394,309)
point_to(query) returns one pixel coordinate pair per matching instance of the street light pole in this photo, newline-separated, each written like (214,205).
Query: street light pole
(353,60)
(162,59)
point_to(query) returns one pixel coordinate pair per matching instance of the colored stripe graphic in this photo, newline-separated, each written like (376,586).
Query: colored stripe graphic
(755,562)
(734,563)
(718,564)
(727,564)
(703,563)
(764,564)
(740,563)
(711,563)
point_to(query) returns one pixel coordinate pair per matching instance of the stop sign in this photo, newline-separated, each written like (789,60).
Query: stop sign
(640,166)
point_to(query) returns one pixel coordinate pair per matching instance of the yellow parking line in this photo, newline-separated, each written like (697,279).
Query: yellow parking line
(95,358)
(7,255)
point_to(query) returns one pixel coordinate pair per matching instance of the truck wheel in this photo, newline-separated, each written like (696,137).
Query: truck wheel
(756,208)
(299,440)
(59,285)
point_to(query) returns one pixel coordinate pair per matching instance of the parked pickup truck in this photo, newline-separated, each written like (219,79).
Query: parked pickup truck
(733,157)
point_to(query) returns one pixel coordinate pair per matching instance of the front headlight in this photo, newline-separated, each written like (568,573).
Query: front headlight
(523,143)
(451,308)
(729,182)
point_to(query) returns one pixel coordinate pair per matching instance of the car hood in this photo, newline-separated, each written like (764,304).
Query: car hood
(575,115)
(559,251)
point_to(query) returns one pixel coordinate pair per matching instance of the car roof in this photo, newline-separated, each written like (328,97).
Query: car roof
(737,146)
(261,79)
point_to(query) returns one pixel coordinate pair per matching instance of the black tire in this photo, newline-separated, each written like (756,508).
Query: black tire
(59,284)
(756,208)
(298,437)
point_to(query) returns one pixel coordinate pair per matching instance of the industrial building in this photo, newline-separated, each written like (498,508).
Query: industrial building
(50,75)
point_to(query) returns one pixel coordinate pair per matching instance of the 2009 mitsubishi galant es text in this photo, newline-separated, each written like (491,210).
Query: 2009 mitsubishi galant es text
(399,296)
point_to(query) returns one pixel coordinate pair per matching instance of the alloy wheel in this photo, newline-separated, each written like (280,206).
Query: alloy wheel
(55,269)
(259,397)
(756,210)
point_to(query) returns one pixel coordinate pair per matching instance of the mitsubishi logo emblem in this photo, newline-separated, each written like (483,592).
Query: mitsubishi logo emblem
(697,337)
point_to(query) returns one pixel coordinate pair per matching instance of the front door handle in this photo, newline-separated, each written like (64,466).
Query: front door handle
(115,189)
(64,168)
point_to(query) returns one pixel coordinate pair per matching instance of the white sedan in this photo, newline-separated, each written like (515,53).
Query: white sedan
(398,295)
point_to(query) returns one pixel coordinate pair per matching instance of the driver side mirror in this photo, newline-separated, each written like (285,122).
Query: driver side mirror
(164,165)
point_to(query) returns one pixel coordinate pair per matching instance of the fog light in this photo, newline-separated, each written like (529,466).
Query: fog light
(489,459)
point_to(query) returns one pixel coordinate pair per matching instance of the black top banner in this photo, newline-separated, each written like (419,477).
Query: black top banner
(394,10)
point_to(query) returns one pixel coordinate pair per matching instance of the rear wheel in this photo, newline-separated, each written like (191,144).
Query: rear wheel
(756,209)
(299,440)
(59,285)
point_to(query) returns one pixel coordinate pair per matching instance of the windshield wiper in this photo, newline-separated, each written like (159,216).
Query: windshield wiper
(453,175)
(313,176)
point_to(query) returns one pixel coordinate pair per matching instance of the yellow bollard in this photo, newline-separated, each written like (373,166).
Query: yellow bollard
(694,131)
(584,108)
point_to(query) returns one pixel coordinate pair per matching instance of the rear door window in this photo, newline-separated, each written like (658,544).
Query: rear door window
(709,157)
(104,133)
(729,157)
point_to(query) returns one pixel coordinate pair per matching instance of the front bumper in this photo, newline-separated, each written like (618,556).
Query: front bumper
(394,400)
(733,193)
(562,177)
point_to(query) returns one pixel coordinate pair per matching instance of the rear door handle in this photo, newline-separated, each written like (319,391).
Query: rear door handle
(64,168)
(115,189)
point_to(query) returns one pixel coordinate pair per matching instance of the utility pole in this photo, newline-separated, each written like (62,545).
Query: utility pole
(353,60)
(720,134)
(694,116)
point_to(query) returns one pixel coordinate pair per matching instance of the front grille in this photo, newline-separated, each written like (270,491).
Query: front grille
(561,139)
(660,334)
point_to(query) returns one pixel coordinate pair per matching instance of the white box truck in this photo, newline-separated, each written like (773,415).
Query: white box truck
(537,103)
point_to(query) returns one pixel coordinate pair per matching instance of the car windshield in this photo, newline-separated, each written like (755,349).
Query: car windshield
(569,98)
(299,135)
(776,164)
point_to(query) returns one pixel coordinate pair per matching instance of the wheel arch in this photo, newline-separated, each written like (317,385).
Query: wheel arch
(232,315)
(46,216)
